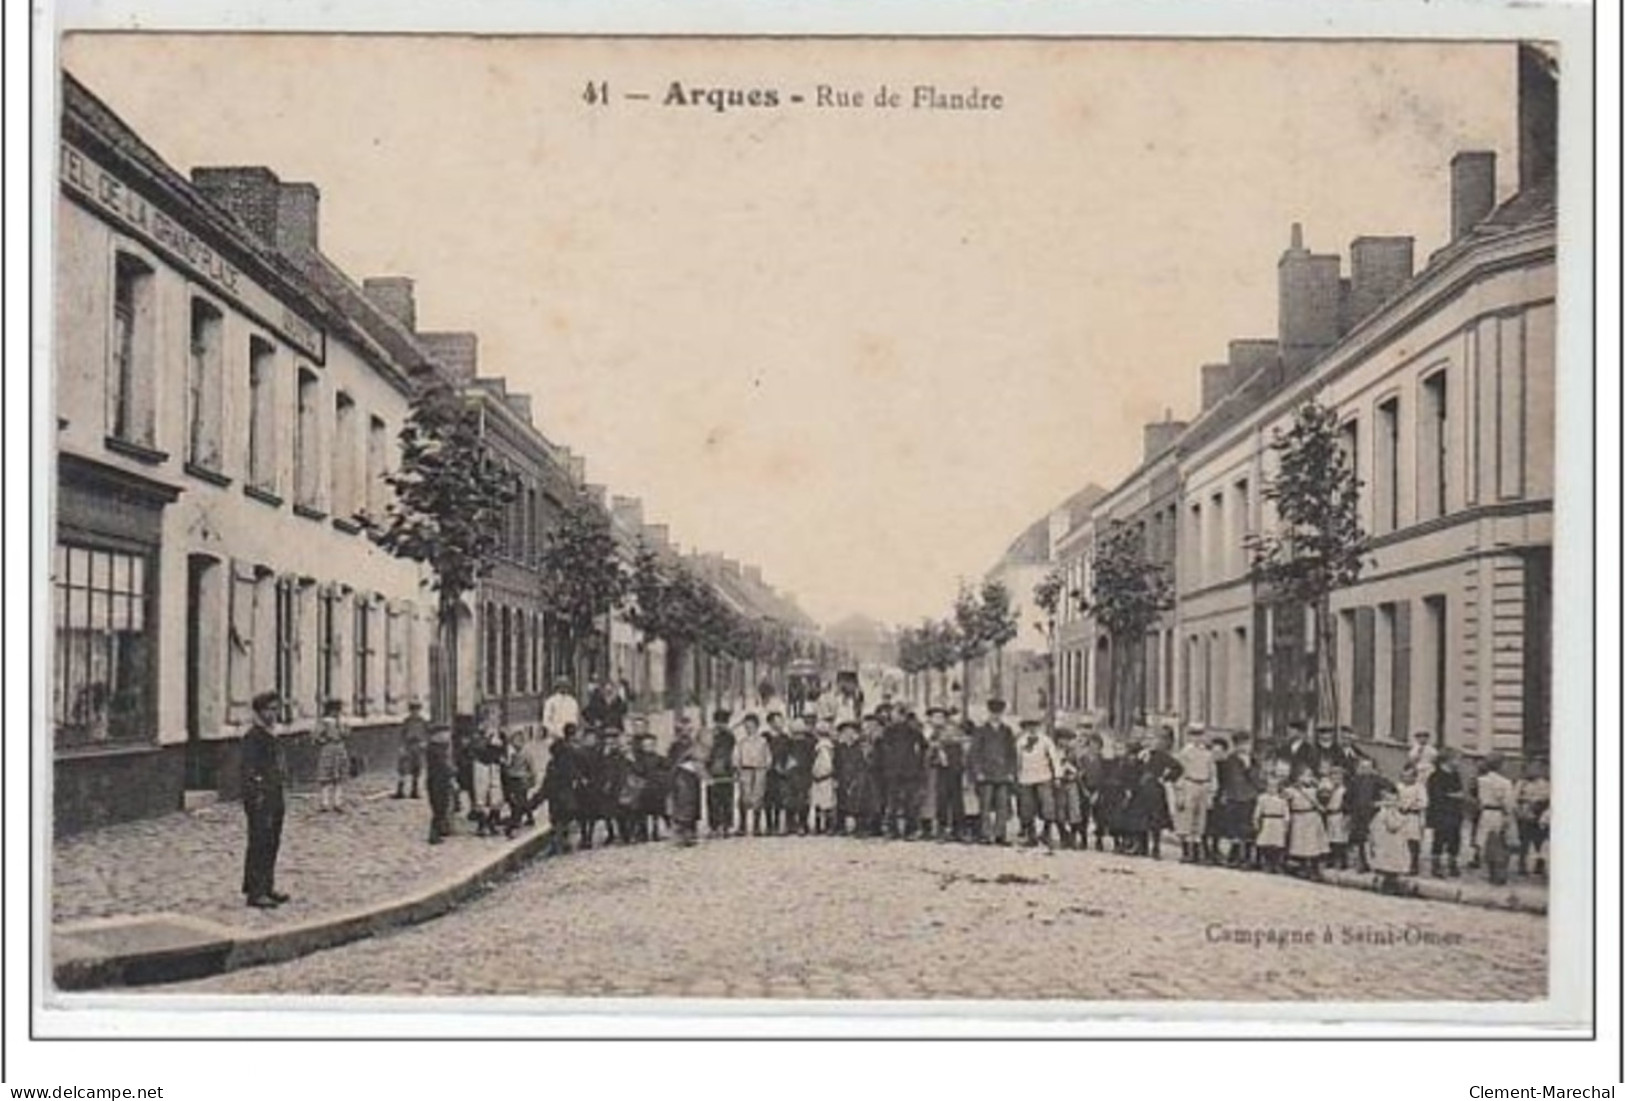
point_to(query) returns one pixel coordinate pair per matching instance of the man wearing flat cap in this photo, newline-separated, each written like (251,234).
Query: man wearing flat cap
(993,765)
(263,784)
(719,767)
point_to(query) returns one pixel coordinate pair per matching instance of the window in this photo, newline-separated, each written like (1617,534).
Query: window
(204,388)
(1238,541)
(1433,449)
(346,500)
(329,606)
(377,467)
(243,641)
(262,457)
(1433,695)
(1197,570)
(536,653)
(395,665)
(1216,537)
(307,442)
(530,525)
(493,647)
(364,650)
(1393,672)
(1509,407)
(102,678)
(130,362)
(1387,466)
(1350,439)
(507,652)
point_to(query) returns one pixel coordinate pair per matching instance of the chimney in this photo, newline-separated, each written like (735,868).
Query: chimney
(1311,302)
(298,217)
(250,193)
(1537,115)
(395,296)
(459,353)
(1472,190)
(578,467)
(1160,436)
(497,387)
(628,510)
(1379,267)
(658,534)
(520,404)
(730,566)
(596,493)
(753,574)
(1218,379)
(1250,353)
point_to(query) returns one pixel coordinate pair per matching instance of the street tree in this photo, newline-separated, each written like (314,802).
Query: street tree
(583,577)
(1317,544)
(1048,594)
(448,502)
(998,615)
(1129,593)
(970,641)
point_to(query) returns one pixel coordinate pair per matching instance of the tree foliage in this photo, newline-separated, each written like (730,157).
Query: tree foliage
(449,496)
(583,576)
(1047,594)
(1317,544)
(1128,595)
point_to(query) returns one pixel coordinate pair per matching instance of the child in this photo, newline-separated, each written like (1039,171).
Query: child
(1306,832)
(1497,804)
(518,778)
(1333,800)
(1413,804)
(1361,798)
(687,787)
(1270,824)
(332,757)
(561,786)
(488,756)
(1391,853)
(823,781)
(1446,795)
(1533,796)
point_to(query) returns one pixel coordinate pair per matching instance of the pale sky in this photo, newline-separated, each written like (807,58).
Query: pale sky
(861,348)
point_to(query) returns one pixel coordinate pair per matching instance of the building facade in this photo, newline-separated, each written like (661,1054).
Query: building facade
(223,430)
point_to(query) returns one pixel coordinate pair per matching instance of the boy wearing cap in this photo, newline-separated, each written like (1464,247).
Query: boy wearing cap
(409,762)
(1038,767)
(264,780)
(1193,796)
(752,759)
(849,778)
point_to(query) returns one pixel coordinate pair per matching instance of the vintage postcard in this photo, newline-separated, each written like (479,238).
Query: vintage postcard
(1060,523)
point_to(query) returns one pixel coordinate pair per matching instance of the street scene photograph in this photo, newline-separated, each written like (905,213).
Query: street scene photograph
(1032,521)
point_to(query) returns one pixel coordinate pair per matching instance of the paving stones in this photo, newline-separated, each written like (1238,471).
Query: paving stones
(792,918)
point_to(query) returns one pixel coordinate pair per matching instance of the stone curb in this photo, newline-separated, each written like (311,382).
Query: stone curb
(79,965)
(1442,890)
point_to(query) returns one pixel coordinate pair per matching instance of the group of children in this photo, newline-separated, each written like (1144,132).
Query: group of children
(1301,806)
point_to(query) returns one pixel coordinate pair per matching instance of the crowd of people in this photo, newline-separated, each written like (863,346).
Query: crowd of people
(1297,806)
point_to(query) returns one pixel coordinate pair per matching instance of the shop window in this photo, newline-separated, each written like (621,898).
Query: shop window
(102,677)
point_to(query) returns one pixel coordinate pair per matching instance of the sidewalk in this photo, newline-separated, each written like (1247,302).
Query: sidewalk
(159,899)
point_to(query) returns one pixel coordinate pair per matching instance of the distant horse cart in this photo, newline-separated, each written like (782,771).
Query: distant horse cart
(804,685)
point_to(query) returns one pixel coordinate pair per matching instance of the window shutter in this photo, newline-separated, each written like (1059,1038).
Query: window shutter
(306,649)
(1402,675)
(1365,669)
(240,642)
(394,673)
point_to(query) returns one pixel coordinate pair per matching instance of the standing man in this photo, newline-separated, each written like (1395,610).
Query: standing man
(993,765)
(902,765)
(719,766)
(948,766)
(560,710)
(264,780)
(1193,798)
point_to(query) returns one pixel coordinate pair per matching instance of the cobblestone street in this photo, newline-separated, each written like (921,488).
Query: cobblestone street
(193,863)
(836,918)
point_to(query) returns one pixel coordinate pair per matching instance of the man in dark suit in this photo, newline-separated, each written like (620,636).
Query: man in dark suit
(264,780)
(993,764)
(902,768)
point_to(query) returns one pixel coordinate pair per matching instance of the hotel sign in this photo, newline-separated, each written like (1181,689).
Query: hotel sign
(120,204)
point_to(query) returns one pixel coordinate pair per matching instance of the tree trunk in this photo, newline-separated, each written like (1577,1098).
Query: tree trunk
(1326,701)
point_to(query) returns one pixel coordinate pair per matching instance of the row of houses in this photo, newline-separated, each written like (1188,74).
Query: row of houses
(228,403)
(1443,382)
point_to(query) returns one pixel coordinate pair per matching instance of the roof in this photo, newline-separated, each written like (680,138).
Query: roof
(87,119)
